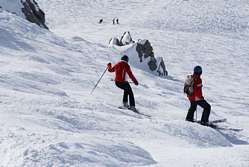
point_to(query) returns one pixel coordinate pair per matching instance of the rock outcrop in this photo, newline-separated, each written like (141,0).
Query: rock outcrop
(141,54)
(114,41)
(126,38)
(28,9)
(33,13)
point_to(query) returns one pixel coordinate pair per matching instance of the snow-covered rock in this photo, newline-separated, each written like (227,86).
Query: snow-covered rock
(115,41)
(140,53)
(28,9)
(126,38)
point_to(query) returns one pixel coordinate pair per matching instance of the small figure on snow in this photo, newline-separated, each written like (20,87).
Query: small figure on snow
(100,21)
(193,88)
(115,20)
(121,69)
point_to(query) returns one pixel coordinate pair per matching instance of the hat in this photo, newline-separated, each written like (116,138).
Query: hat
(125,58)
(197,70)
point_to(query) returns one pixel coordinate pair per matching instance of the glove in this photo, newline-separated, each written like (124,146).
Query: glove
(135,82)
(109,64)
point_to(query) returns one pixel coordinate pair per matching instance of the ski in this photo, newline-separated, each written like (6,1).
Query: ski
(214,125)
(135,111)
(219,120)
(228,129)
(209,124)
(214,121)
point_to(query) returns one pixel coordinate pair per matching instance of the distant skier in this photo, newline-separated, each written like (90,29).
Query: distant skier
(115,20)
(193,88)
(100,21)
(121,69)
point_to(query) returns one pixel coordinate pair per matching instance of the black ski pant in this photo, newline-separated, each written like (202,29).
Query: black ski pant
(206,110)
(127,91)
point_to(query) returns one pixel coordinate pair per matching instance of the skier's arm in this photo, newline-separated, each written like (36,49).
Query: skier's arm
(110,68)
(129,72)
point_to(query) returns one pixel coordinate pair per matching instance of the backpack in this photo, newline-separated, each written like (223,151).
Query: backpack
(189,85)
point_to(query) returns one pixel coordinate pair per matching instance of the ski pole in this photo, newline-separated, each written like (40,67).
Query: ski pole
(196,114)
(99,80)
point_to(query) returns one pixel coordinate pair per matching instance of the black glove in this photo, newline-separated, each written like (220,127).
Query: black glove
(135,82)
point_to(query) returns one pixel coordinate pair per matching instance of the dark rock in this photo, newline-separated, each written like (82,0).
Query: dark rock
(152,64)
(145,50)
(33,13)
(161,70)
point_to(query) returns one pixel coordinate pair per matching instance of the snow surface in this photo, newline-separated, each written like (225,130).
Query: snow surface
(49,118)
(13,6)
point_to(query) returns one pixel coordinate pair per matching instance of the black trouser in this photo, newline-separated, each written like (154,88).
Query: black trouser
(206,110)
(127,91)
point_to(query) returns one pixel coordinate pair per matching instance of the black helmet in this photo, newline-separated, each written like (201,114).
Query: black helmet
(125,58)
(197,70)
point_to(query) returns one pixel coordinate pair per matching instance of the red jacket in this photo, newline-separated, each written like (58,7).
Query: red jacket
(197,95)
(121,68)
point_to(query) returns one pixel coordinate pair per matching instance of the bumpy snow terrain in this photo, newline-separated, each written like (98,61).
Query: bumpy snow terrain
(49,118)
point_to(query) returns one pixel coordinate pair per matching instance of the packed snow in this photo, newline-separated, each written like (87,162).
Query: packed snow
(49,118)
(13,6)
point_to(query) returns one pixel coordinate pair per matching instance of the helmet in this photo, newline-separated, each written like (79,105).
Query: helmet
(197,70)
(125,58)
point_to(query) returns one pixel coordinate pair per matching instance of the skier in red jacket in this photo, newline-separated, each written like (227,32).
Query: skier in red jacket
(196,98)
(121,69)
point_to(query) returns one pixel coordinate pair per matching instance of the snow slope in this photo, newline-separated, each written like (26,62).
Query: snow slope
(49,118)
(13,6)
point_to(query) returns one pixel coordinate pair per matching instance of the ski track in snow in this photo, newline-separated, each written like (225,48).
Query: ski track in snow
(49,118)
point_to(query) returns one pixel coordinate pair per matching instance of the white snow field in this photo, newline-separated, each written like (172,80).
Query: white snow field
(48,118)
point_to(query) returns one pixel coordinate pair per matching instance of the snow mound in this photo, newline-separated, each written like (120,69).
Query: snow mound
(196,134)
(90,154)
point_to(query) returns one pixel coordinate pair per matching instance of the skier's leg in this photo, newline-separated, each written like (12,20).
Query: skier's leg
(206,110)
(125,97)
(131,97)
(122,86)
(191,111)
(129,92)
